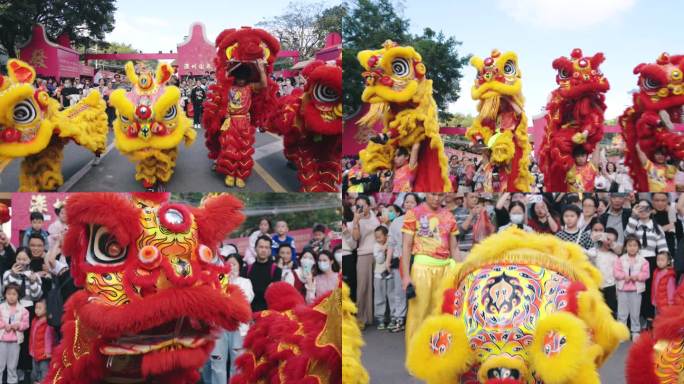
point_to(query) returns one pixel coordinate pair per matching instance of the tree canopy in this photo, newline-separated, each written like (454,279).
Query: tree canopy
(304,26)
(86,21)
(369,23)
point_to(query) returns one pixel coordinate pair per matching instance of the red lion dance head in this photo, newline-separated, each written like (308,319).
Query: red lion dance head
(242,47)
(656,358)
(154,296)
(294,343)
(574,115)
(649,122)
(311,122)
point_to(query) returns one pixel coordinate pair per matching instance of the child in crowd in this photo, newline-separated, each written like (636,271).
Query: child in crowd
(263,230)
(37,221)
(604,257)
(281,237)
(405,164)
(631,271)
(660,174)
(383,283)
(571,231)
(663,285)
(14,320)
(581,176)
(320,240)
(41,340)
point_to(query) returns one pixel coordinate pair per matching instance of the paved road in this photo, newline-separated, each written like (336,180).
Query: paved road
(193,170)
(383,357)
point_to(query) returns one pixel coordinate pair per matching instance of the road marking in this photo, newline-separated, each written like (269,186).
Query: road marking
(268,149)
(275,186)
(76,177)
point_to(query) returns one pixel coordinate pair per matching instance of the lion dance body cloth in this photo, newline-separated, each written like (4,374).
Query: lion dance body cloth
(32,126)
(154,295)
(238,103)
(150,124)
(400,95)
(658,356)
(293,343)
(501,122)
(521,309)
(574,118)
(311,123)
(649,122)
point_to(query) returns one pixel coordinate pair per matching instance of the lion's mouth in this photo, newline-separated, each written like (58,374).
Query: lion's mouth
(184,332)
(671,116)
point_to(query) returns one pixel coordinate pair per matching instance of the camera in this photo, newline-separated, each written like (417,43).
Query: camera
(410,292)
(359,208)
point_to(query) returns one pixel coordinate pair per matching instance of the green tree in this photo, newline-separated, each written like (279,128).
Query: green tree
(304,26)
(86,21)
(369,23)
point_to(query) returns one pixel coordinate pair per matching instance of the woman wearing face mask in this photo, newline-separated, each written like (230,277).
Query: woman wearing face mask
(326,279)
(516,213)
(305,273)
(229,344)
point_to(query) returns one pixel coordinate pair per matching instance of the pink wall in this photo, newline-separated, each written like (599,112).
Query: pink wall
(196,54)
(21,202)
(50,59)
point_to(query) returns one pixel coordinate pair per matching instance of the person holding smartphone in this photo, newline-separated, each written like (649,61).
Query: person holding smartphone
(363,232)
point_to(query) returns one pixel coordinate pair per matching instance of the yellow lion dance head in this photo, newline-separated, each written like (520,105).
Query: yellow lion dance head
(524,307)
(33,126)
(392,74)
(150,115)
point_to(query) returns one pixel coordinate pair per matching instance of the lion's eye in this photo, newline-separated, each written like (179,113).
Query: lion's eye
(325,94)
(24,112)
(171,113)
(400,67)
(104,248)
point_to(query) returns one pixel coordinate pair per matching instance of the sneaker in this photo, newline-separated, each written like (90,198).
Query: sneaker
(382,326)
(399,327)
(635,337)
(392,324)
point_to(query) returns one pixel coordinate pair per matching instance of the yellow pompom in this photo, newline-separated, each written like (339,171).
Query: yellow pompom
(561,351)
(439,351)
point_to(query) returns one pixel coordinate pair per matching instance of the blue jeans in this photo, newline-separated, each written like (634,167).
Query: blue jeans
(228,346)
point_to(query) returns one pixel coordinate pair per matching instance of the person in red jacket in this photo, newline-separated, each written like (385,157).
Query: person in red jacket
(662,294)
(41,341)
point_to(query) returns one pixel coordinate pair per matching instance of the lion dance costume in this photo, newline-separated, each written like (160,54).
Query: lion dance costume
(154,296)
(501,123)
(657,357)
(311,122)
(521,309)
(400,95)
(649,121)
(150,124)
(32,126)
(292,342)
(231,112)
(574,117)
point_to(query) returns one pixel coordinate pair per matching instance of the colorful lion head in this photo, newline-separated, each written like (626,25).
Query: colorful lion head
(522,307)
(245,46)
(323,102)
(580,75)
(661,88)
(30,117)
(656,357)
(497,76)
(392,74)
(150,115)
(154,294)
